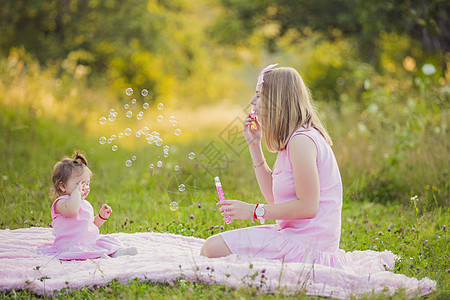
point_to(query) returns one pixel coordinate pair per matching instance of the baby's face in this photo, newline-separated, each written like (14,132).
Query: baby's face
(75,179)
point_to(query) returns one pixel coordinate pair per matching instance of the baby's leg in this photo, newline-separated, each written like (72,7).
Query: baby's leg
(125,251)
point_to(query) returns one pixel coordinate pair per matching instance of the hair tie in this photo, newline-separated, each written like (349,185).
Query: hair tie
(261,77)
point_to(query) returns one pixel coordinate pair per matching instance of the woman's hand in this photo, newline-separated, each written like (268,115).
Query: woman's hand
(252,135)
(105,211)
(235,210)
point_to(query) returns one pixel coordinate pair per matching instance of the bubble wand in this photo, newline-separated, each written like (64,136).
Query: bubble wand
(221,194)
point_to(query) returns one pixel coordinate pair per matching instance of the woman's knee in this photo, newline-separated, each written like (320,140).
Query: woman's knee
(215,246)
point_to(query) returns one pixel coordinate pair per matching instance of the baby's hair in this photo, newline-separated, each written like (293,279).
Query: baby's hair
(64,169)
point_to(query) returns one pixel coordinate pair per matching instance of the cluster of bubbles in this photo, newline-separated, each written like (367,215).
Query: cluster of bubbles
(153,137)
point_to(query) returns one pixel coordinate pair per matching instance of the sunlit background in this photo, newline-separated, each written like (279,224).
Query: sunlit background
(378,70)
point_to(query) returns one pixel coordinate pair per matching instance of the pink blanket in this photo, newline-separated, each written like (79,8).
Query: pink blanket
(166,257)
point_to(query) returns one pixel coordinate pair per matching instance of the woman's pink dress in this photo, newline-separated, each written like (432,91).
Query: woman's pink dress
(315,240)
(78,237)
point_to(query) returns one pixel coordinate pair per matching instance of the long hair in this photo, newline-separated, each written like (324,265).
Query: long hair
(64,169)
(286,105)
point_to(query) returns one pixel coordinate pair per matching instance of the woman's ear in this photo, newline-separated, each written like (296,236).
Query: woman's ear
(62,186)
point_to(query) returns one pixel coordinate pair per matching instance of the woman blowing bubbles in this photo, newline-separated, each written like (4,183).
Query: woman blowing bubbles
(304,189)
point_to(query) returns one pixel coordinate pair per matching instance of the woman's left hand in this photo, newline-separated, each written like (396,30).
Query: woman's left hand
(105,211)
(235,210)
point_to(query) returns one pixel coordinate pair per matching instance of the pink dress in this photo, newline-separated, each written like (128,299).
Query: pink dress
(315,240)
(78,237)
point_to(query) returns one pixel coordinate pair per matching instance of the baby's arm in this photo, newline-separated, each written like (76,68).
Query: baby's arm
(103,215)
(70,207)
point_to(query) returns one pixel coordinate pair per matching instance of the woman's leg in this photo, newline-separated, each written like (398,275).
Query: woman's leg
(215,246)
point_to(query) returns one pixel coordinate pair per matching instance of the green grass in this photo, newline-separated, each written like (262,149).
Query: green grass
(140,200)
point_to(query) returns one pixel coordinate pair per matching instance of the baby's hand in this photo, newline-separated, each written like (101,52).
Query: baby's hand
(79,188)
(85,189)
(105,211)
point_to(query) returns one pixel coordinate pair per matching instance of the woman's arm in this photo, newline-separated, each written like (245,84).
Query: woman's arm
(263,172)
(302,153)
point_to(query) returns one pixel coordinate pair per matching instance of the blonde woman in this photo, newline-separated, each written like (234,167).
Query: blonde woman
(303,191)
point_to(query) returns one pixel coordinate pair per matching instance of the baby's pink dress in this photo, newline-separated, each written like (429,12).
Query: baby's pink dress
(78,237)
(315,240)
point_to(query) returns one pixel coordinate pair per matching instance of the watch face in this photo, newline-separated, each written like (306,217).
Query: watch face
(259,211)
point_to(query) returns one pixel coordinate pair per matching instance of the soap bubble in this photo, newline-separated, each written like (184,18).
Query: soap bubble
(159,164)
(174,123)
(139,115)
(151,166)
(173,206)
(133,158)
(129,91)
(127,132)
(109,141)
(166,148)
(171,118)
(102,140)
(160,106)
(128,163)
(144,92)
(126,106)
(166,154)
(158,141)
(181,187)
(138,133)
(191,155)
(113,137)
(160,118)
(102,120)
(155,133)
(120,135)
(111,110)
(144,129)
(176,168)
(133,101)
(129,114)
(145,105)
(177,131)
(112,118)
(114,147)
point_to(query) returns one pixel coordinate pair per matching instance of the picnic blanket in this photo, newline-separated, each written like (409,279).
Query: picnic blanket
(167,257)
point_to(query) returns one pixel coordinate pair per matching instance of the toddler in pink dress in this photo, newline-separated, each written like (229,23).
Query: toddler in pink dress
(75,227)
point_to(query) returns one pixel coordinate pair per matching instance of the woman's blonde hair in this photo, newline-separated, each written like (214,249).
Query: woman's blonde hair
(286,105)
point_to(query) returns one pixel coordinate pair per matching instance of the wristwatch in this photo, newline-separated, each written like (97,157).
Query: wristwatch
(259,212)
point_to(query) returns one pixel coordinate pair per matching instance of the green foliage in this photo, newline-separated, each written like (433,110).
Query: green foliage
(366,20)
(385,102)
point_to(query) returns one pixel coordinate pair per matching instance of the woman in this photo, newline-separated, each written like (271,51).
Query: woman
(303,191)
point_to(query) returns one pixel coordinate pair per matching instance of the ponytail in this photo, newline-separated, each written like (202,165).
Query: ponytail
(79,158)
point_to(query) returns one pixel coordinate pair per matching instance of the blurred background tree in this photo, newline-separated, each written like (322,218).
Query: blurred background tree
(170,47)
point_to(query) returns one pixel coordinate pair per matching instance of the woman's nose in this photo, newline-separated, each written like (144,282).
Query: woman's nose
(253,101)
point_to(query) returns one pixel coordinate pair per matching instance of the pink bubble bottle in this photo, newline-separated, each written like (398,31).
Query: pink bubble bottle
(220,193)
